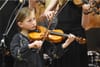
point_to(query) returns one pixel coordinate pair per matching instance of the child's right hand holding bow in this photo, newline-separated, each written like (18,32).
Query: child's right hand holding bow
(36,44)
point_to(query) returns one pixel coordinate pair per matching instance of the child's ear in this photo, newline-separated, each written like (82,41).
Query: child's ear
(20,24)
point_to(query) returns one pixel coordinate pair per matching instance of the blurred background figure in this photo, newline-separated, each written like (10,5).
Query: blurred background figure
(7,13)
(69,20)
(91,24)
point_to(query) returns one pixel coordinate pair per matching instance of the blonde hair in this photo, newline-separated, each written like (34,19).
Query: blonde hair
(23,13)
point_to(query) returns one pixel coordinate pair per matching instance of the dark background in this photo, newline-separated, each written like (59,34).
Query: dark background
(5,15)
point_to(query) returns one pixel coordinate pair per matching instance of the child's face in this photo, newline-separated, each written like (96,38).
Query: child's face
(29,22)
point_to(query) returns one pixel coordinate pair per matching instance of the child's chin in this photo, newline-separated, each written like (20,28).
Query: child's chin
(32,29)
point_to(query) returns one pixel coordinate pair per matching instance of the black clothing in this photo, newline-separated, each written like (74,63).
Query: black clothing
(93,39)
(69,20)
(25,57)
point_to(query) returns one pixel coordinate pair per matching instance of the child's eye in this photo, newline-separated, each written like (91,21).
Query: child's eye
(33,19)
(30,20)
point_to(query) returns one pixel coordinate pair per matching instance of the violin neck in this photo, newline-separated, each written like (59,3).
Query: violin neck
(59,34)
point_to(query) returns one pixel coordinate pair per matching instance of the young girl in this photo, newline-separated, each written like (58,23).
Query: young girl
(25,52)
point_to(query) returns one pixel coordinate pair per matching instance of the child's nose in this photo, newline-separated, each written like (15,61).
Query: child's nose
(34,23)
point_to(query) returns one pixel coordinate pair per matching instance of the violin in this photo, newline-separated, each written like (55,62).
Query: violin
(55,36)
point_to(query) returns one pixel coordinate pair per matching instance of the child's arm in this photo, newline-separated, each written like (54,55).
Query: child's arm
(21,51)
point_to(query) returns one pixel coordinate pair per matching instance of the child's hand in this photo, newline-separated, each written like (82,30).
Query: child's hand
(36,44)
(70,39)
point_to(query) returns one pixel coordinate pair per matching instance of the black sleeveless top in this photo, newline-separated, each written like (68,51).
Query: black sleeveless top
(69,17)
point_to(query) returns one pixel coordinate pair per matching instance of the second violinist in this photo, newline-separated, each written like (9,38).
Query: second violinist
(30,54)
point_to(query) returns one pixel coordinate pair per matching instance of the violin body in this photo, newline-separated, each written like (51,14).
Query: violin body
(42,32)
(37,35)
(54,37)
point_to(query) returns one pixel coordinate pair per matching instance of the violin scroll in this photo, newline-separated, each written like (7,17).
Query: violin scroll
(81,40)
